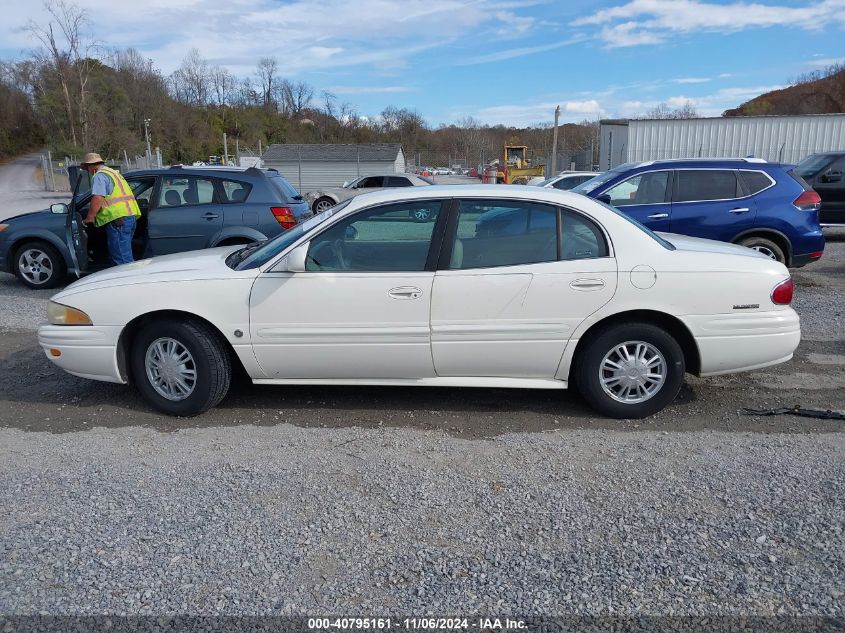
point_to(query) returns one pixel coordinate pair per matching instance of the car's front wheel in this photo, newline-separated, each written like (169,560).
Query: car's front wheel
(180,367)
(630,370)
(39,265)
(323,204)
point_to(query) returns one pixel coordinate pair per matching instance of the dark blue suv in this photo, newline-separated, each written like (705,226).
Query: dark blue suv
(761,205)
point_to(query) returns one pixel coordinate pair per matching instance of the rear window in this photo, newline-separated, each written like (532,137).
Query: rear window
(754,181)
(812,165)
(705,184)
(287,190)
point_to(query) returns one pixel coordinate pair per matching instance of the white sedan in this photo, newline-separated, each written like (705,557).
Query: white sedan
(506,287)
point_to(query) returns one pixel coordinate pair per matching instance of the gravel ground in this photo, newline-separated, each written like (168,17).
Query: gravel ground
(286,520)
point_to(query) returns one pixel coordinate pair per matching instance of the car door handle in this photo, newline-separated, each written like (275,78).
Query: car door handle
(658,216)
(740,210)
(405,292)
(587,284)
(210,216)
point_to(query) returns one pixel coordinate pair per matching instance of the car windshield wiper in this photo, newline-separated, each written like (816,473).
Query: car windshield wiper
(238,256)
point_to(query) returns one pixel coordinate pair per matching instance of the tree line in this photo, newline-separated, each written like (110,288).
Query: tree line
(72,95)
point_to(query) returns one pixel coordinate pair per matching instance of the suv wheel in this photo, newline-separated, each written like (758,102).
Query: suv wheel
(39,265)
(180,367)
(630,370)
(765,246)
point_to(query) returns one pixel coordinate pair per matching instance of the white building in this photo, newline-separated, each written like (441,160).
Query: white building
(782,139)
(309,167)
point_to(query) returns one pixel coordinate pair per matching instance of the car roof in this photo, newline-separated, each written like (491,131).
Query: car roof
(515,192)
(200,170)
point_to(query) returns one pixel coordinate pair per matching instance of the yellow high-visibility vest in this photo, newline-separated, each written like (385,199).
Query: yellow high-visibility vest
(120,202)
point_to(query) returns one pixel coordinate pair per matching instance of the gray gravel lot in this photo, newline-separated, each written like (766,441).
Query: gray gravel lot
(360,500)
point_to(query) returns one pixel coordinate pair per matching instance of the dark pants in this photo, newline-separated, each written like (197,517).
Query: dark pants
(119,238)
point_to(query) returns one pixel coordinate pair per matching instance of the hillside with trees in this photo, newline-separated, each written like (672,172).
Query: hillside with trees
(818,92)
(73,97)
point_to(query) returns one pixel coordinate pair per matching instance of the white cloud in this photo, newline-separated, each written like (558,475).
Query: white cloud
(691,80)
(651,21)
(360,90)
(522,115)
(824,62)
(519,52)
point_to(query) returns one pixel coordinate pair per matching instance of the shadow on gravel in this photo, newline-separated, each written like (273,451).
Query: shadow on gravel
(36,396)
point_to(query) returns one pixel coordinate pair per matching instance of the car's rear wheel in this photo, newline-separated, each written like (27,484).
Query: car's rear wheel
(39,265)
(765,246)
(323,204)
(630,370)
(180,367)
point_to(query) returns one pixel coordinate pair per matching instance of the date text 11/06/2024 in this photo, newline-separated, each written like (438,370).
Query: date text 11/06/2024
(416,624)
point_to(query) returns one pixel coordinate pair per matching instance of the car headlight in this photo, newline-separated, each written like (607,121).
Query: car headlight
(58,314)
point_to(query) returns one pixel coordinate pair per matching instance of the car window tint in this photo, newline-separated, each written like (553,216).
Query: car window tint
(286,189)
(504,233)
(371,181)
(755,181)
(647,188)
(234,191)
(581,238)
(143,190)
(180,191)
(387,238)
(398,181)
(705,184)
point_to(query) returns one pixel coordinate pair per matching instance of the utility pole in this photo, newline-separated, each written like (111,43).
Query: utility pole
(554,144)
(259,153)
(225,151)
(147,137)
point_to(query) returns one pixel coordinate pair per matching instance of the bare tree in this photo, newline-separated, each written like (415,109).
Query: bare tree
(664,111)
(68,49)
(223,84)
(267,67)
(297,97)
(192,79)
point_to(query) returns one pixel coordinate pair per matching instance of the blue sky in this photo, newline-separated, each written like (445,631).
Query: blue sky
(499,62)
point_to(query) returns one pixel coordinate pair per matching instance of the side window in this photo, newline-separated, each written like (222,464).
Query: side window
(234,191)
(181,191)
(398,181)
(564,184)
(143,191)
(581,238)
(371,181)
(647,188)
(705,184)
(383,239)
(754,181)
(498,233)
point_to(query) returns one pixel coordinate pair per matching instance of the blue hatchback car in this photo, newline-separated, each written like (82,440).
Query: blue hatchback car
(761,205)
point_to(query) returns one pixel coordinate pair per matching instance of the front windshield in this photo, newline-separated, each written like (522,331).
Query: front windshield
(812,165)
(268,250)
(664,243)
(594,183)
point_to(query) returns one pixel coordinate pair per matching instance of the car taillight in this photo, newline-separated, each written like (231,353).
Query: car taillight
(782,294)
(284,216)
(808,201)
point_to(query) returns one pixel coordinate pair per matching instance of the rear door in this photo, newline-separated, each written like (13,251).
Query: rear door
(829,184)
(646,197)
(710,203)
(186,216)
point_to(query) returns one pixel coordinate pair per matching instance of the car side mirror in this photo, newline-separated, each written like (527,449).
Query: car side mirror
(832,176)
(345,183)
(59,208)
(294,261)
(604,198)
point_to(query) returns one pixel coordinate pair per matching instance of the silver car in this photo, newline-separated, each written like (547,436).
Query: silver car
(322,199)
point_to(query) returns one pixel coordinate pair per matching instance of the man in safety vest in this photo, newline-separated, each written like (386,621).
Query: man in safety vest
(112,205)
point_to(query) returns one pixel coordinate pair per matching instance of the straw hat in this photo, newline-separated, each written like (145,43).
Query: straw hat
(91,158)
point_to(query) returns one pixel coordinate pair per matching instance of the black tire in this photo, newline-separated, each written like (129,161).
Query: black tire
(766,247)
(209,360)
(48,257)
(588,372)
(321,202)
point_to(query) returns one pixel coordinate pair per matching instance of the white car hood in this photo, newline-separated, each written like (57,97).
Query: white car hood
(700,245)
(193,265)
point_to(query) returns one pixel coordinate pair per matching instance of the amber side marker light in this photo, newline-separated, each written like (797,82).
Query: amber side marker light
(55,352)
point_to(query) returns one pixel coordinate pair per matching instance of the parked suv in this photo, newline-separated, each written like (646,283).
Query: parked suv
(182,209)
(761,205)
(824,173)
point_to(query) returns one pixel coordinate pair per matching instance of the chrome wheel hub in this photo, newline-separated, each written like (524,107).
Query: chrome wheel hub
(35,265)
(323,205)
(632,372)
(171,369)
(765,251)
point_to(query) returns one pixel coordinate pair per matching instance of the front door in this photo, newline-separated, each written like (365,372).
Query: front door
(361,309)
(76,237)
(829,184)
(711,203)
(645,197)
(514,283)
(186,216)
